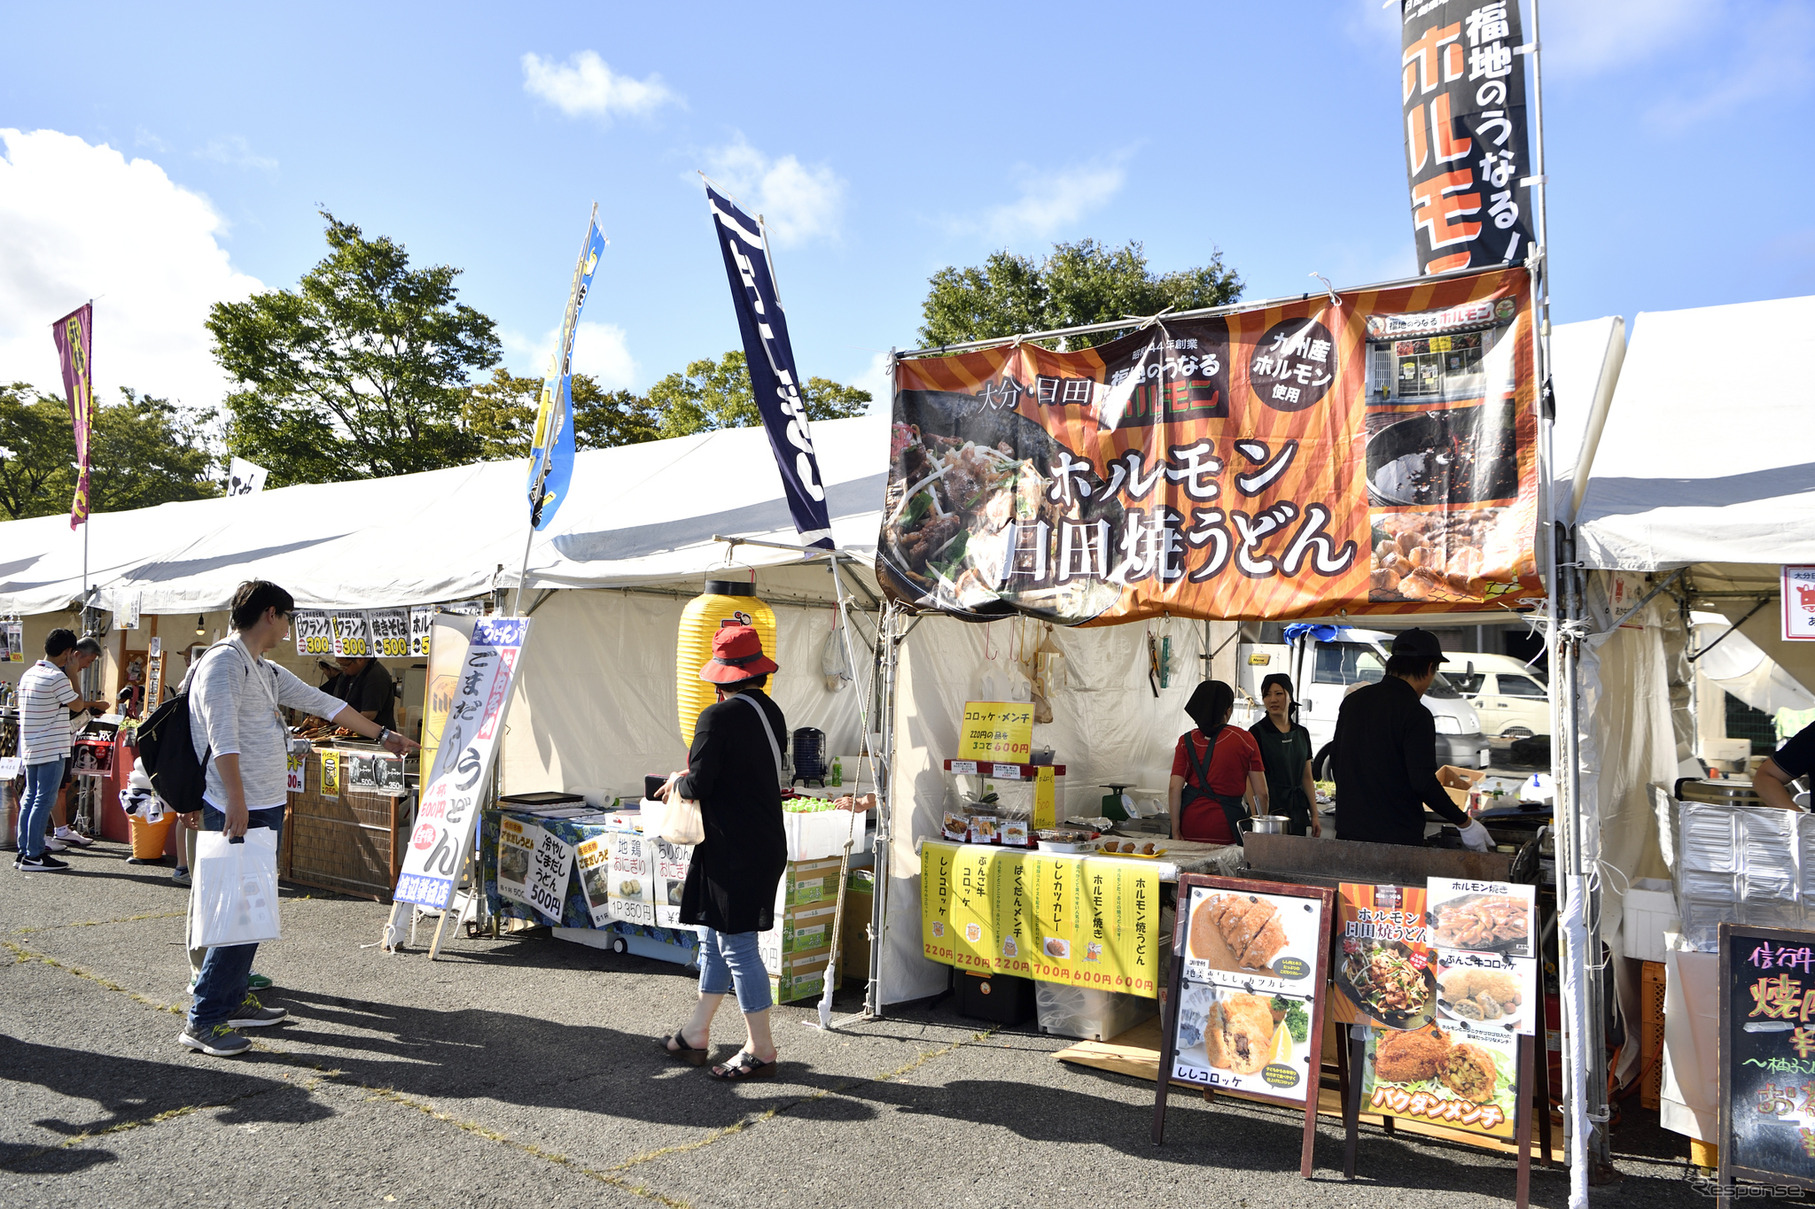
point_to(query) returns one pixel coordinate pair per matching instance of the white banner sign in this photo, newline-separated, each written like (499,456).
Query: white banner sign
(671,861)
(517,842)
(15,641)
(1799,604)
(352,637)
(313,631)
(390,633)
(293,772)
(594,858)
(466,748)
(631,882)
(244,478)
(422,621)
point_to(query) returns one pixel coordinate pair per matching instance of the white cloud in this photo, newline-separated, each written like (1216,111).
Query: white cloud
(875,379)
(141,137)
(796,202)
(585,85)
(234,151)
(79,222)
(1049,202)
(599,349)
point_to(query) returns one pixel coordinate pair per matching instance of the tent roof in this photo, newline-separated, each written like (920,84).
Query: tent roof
(1709,452)
(635,514)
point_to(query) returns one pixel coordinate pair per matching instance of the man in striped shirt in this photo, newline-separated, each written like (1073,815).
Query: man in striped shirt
(46,701)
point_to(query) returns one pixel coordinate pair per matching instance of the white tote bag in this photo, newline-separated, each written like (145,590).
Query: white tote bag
(234,897)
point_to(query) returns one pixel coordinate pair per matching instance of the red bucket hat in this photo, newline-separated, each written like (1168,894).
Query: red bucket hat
(737,654)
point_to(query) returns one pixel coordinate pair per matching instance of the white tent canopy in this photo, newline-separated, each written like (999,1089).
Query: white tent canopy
(636,514)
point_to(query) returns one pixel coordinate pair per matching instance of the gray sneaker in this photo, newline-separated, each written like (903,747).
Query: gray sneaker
(253,1014)
(220,1041)
(180,877)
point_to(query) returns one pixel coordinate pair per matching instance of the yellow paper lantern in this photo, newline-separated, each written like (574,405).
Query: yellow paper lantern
(724,600)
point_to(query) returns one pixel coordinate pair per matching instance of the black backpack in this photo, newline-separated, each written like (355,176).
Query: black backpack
(168,753)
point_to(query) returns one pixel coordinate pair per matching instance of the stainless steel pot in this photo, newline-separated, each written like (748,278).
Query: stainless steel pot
(1265,824)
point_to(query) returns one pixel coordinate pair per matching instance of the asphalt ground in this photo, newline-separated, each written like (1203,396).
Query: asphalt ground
(525,1071)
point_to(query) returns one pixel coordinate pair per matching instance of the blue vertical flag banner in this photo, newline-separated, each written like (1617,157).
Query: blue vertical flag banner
(771,360)
(552,448)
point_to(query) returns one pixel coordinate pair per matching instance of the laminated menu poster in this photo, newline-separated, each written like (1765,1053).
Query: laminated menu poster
(630,881)
(1083,921)
(1250,958)
(671,861)
(593,857)
(1383,973)
(1443,1076)
(1482,937)
(549,867)
(517,842)
(1766,1064)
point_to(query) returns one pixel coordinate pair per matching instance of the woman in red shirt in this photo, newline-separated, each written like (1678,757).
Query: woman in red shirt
(1213,765)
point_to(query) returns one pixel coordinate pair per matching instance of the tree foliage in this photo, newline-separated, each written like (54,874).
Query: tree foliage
(362,371)
(1078,283)
(710,395)
(501,413)
(143,451)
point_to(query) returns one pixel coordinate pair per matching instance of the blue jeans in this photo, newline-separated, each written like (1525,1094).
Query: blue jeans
(41,782)
(222,986)
(728,958)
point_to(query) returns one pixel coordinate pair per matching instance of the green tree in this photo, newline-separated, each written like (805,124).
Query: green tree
(143,451)
(361,372)
(1078,283)
(710,394)
(501,413)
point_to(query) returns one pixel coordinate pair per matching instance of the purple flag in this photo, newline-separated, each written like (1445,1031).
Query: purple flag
(74,334)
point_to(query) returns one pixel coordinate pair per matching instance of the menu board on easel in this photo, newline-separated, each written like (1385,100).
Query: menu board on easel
(1244,1012)
(1766,1065)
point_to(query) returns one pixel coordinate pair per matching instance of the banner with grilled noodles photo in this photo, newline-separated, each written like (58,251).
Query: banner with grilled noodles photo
(1374,452)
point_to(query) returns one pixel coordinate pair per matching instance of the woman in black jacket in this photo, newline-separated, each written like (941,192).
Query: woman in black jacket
(734,772)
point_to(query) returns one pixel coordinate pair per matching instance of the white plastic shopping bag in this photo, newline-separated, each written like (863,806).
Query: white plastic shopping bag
(233,900)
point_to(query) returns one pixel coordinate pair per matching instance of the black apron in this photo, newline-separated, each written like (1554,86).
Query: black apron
(1233,809)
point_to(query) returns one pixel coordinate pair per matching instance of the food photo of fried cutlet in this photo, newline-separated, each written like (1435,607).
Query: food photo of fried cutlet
(1470,1072)
(1247,1032)
(1250,928)
(1411,1056)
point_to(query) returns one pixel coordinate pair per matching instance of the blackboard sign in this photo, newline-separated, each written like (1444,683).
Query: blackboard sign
(1767,1056)
(1244,1009)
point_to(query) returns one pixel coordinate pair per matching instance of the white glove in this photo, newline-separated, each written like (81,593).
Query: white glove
(1475,836)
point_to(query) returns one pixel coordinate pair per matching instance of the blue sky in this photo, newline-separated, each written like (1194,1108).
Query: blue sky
(185,160)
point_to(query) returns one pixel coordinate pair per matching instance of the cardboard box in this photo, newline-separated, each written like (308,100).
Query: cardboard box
(1458,781)
(798,931)
(802,976)
(854,943)
(807,882)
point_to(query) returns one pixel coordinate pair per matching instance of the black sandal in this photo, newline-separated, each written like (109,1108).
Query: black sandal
(676,1047)
(745,1066)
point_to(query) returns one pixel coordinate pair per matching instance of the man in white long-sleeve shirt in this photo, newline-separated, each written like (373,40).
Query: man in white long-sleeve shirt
(235,699)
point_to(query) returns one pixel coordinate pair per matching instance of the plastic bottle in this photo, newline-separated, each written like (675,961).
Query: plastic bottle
(837,773)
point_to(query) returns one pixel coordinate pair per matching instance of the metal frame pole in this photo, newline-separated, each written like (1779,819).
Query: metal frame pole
(889,641)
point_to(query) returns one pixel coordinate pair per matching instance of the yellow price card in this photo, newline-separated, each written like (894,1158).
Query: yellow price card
(998,731)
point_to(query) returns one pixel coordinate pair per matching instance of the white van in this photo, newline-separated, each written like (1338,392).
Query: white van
(1329,670)
(1512,698)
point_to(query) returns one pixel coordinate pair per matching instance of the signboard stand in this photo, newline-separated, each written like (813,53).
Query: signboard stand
(1766,1054)
(1171,1009)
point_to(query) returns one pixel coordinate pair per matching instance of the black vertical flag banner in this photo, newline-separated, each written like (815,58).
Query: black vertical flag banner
(772,373)
(1462,85)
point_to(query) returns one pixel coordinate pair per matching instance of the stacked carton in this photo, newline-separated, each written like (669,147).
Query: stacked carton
(796,949)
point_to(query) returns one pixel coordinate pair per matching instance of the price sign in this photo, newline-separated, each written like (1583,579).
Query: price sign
(9,767)
(352,636)
(314,633)
(154,680)
(293,773)
(1000,731)
(390,633)
(1766,1056)
(330,774)
(422,622)
(15,641)
(549,866)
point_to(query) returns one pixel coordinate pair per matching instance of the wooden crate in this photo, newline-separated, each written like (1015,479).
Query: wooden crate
(351,842)
(1651,1035)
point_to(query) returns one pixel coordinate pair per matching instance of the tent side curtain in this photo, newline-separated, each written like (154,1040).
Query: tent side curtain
(636,514)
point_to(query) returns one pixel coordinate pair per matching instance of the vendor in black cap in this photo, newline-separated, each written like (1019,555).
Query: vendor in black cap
(1386,754)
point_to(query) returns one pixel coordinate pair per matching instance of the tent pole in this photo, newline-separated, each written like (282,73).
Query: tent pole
(890,641)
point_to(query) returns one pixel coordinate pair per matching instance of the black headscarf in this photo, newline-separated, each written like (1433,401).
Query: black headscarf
(1210,704)
(1285,682)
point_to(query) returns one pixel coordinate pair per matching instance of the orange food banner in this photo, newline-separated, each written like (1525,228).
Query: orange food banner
(1375,453)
